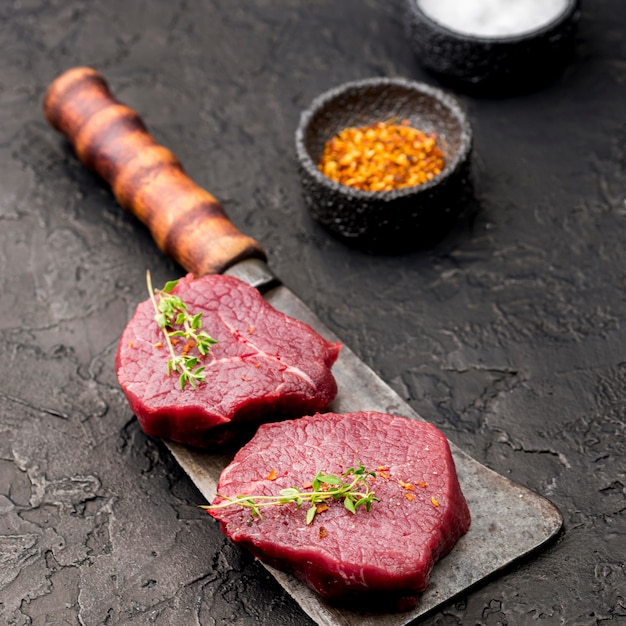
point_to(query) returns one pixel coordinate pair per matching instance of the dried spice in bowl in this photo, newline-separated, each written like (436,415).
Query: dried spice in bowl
(403,217)
(382,156)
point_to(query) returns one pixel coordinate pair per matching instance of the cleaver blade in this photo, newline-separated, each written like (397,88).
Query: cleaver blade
(509,521)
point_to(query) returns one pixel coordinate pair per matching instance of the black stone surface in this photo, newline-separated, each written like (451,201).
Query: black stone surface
(509,334)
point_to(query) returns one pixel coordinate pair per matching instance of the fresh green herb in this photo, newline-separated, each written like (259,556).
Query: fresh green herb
(173,318)
(351,487)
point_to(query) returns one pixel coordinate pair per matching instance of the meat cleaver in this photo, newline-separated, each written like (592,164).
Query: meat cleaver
(509,521)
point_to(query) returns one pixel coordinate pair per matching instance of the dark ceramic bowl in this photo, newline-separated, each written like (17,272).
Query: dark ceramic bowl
(495,65)
(388,220)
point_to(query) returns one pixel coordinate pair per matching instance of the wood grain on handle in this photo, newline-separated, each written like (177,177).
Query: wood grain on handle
(186,221)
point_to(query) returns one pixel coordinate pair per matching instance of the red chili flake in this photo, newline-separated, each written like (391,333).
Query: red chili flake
(321,507)
(409,496)
(423,484)
(189,344)
(271,475)
(406,485)
(383,471)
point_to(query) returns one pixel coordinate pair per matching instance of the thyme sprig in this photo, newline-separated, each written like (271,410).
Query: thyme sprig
(351,487)
(174,319)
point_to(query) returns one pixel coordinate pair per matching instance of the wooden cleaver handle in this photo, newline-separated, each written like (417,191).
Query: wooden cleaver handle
(186,221)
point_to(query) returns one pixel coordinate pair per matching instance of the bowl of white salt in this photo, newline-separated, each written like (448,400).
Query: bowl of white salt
(493,47)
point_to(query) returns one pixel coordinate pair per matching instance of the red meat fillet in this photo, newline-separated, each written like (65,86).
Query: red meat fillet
(265,366)
(379,559)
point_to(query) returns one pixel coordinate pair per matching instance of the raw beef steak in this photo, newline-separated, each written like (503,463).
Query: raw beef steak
(265,366)
(379,559)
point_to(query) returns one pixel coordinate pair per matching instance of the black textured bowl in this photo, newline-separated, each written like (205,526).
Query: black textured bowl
(492,65)
(387,221)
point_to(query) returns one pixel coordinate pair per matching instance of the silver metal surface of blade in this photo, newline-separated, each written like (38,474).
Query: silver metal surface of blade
(509,521)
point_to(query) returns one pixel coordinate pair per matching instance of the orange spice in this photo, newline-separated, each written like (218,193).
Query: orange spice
(383,471)
(271,475)
(188,345)
(382,157)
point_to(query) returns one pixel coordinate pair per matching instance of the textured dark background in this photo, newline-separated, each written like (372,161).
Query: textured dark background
(510,334)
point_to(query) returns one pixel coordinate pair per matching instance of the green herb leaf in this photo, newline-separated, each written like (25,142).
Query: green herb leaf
(173,318)
(352,488)
(169,286)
